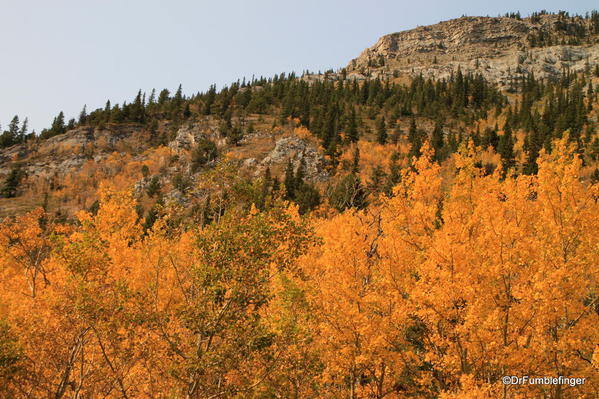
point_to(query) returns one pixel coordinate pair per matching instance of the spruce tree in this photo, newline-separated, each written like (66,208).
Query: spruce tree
(414,140)
(352,127)
(356,161)
(438,142)
(490,138)
(377,180)
(83,115)
(532,145)
(289,181)
(58,125)
(13,130)
(23,131)
(11,184)
(266,185)
(381,131)
(506,149)
(394,175)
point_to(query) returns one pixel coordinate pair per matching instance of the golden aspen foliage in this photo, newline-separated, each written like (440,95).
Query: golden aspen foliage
(456,280)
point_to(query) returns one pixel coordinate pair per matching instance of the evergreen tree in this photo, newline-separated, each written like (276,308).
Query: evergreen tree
(356,161)
(11,184)
(152,98)
(438,142)
(58,126)
(490,138)
(352,127)
(414,140)
(83,115)
(506,148)
(381,131)
(163,97)
(266,186)
(13,128)
(532,146)
(307,197)
(9,137)
(377,180)
(23,131)
(394,175)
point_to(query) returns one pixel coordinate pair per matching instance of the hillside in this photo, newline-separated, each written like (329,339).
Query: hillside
(421,223)
(544,52)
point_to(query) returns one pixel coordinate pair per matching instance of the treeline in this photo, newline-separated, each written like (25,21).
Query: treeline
(327,107)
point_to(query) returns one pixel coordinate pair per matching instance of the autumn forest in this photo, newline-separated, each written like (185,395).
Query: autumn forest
(434,236)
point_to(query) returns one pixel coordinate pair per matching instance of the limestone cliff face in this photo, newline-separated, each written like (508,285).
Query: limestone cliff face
(498,48)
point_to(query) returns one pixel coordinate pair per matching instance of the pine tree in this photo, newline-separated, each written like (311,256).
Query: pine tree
(506,148)
(394,175)
(11,136)
(532,145)
(83,115)
(414,140)
(266,186)
(13,130)
(377,180)
(152,98)
(438,142)
(381,131)
(178,98)
(58,126)
(352,127)
(163,97)
(11,184)
(490,138)
(356,161)
(23,131)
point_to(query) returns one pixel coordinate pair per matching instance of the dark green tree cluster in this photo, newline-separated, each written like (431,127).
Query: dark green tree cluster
(327,107)
(17,133)
(298,190)
(13,180)
(546,110)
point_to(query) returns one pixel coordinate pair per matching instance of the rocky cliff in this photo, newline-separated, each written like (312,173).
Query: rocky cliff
(499,48)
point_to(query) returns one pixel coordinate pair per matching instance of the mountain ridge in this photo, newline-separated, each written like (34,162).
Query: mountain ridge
(500,48)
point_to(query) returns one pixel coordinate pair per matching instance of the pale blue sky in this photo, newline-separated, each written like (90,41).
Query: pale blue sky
(58,55)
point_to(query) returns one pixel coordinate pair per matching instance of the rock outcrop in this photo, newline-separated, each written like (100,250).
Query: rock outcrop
(294,149)
(498,48)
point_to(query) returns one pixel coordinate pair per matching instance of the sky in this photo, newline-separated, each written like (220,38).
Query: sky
(59,55)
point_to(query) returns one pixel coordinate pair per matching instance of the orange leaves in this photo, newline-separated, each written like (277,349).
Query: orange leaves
(346,287)
(493,277)
(439,291)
